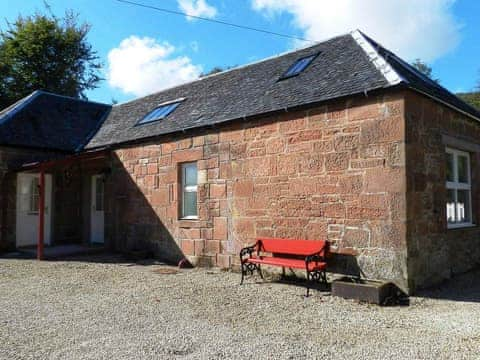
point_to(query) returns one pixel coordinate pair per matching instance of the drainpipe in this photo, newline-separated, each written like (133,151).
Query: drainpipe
(41,215)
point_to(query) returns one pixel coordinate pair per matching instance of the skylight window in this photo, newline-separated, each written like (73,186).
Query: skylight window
(159,113)
(298,66)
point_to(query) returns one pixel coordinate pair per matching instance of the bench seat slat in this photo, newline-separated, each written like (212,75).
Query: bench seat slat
(285,262)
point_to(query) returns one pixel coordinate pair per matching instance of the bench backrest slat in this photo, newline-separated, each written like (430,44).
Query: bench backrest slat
(292,246)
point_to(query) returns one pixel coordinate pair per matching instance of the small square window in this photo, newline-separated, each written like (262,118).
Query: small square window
(298,66)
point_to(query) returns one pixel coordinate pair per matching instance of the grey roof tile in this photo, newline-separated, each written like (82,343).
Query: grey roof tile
(342,68)
(51,121)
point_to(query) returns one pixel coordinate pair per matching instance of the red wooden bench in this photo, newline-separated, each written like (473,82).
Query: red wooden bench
(309,255)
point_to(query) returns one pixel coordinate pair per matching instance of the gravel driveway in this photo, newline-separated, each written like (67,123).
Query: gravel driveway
(87,310)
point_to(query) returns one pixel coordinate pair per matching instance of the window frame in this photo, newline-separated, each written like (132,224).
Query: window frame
(455,185)
(187,188)
(165,110)
(34,196)
(286,74)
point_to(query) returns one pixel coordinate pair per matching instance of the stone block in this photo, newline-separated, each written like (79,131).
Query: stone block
(220,228)
(187,155)
(337,161)
(217,191)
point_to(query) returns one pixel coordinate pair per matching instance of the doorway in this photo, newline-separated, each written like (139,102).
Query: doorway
(28,208)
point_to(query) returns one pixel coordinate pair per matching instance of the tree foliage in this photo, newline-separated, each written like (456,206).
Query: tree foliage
(45,52)
(424,68)
(216,70)
(472,98)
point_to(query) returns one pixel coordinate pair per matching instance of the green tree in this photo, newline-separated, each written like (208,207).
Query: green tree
(45,52)
(472,98)
(216,70)
(424,68)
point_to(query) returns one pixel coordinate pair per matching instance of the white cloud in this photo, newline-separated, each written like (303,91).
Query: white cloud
(197,8)
(141,66)
(423,29)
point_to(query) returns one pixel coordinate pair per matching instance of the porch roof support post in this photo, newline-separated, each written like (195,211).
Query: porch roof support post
(41,214)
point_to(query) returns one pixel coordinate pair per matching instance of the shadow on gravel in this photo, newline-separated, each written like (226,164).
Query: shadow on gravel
(288,279)
(465,287)
(99,258)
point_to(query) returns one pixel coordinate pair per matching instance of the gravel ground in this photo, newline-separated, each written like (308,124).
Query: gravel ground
(89,310)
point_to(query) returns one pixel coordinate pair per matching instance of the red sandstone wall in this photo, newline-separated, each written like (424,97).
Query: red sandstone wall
(435,252)
(335,172)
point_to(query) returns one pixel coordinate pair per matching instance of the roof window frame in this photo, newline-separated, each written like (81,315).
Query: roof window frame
(286,75)
(167,111)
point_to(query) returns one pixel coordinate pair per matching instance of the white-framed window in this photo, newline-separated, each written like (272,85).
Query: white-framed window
(459,189)
(189,191)
(34,200)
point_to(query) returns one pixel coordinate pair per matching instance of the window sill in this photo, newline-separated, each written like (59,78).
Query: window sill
(189,218)
(460,226)
(191,223)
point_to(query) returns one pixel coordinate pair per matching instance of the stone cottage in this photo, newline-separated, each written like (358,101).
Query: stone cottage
(342,141)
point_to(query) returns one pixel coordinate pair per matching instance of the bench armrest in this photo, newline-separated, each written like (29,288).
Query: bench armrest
(249,250)
(314,257)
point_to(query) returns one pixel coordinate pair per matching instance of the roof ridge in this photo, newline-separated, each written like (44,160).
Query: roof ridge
(240,67)
(11,110)
(382,65)
(71,98)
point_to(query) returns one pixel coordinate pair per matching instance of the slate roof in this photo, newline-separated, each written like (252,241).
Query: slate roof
(346,65)
(341,68)
(50,121)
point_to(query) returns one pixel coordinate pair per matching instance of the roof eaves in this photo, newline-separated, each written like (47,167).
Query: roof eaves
(392,77)
(245,117)
(446,103)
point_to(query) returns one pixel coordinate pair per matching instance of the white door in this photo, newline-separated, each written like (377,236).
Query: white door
(28,201)
(98,215)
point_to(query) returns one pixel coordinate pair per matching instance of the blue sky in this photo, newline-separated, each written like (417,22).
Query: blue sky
(144,50)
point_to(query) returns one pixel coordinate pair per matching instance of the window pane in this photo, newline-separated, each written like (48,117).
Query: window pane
(34,195)
(449,170)
(189,204)
(451,206)
(463,206)
(462,163)
(299,66)
(159,113)
(190,174)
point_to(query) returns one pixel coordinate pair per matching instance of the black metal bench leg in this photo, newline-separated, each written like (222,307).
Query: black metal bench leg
(243,273)
(259,269)
(308,284)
